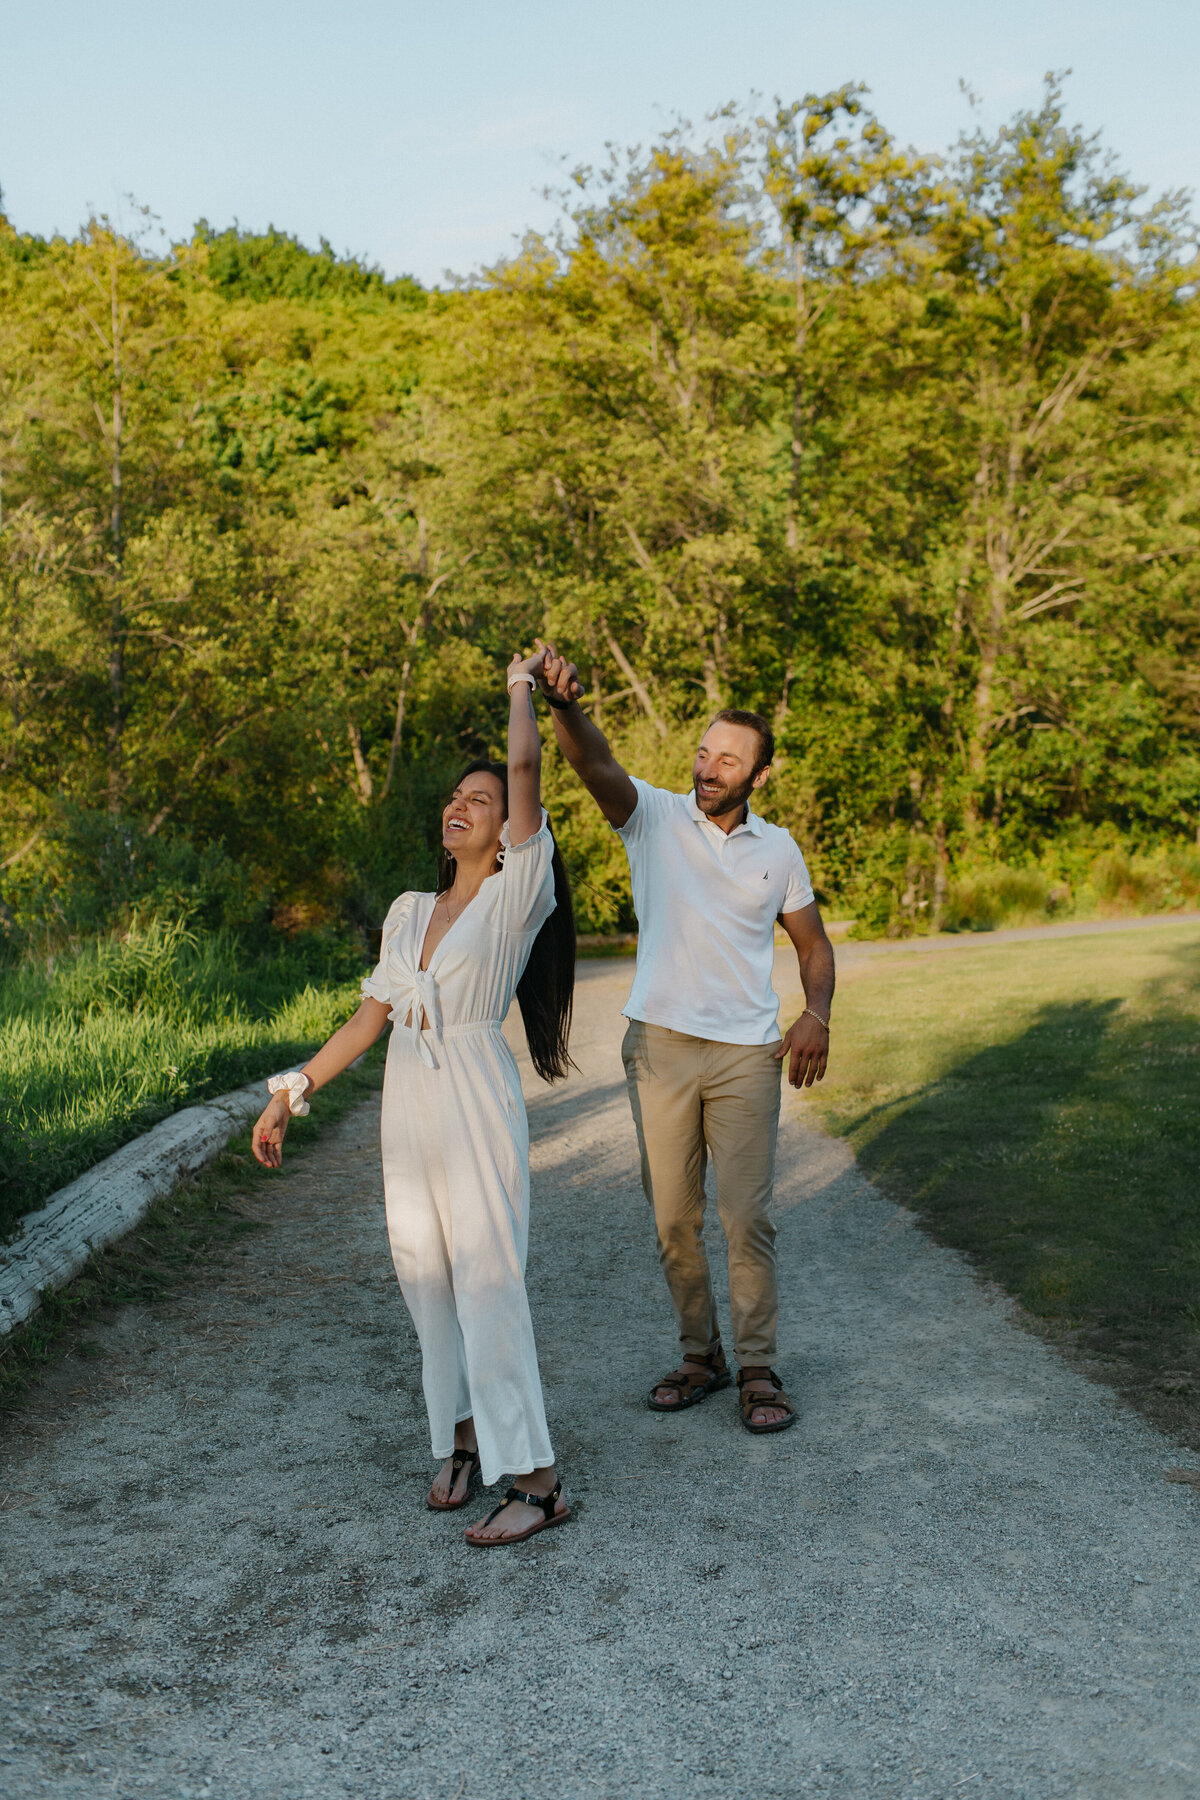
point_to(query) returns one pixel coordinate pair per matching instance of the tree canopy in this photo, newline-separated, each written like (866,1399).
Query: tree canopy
(899,451)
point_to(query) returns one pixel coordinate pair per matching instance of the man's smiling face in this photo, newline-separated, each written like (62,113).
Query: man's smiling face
(724,774)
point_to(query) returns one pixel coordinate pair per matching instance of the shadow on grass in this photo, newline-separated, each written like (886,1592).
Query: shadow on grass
(1064,1164)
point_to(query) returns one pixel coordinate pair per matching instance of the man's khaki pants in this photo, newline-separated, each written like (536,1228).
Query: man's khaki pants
(690,1096)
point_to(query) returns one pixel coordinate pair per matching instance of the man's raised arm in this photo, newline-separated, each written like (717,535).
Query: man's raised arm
(583,743)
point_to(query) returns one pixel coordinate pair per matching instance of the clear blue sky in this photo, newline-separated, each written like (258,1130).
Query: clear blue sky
(419,135)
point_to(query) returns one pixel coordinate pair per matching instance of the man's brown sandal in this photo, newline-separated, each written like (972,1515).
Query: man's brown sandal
(547,1503)
(690,1386)
(750,1403)
(462,1459)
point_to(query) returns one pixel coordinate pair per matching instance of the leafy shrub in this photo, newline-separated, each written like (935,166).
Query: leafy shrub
(997,896)
(1161,882)
(93,871)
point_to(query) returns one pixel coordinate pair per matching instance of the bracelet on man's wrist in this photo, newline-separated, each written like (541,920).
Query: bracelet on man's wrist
(810,1014)
(558,705)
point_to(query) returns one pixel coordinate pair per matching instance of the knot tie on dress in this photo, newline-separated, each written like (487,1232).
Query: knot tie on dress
(418,999)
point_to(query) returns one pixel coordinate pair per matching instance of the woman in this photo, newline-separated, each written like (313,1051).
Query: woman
(454,1131)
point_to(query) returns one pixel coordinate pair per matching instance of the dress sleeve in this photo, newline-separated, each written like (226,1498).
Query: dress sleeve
(799,889)
(527,880)
(651,803)
(376,985)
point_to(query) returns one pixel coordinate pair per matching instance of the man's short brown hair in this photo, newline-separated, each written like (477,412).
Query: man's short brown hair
(734,715)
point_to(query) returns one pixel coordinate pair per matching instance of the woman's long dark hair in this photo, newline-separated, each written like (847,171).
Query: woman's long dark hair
(546,991)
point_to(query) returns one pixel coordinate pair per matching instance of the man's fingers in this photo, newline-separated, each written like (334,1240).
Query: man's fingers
(559,675)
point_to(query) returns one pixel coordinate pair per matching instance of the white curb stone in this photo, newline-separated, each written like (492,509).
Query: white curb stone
(107,1201)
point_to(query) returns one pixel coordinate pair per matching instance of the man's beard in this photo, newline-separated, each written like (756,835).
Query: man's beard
(730,799)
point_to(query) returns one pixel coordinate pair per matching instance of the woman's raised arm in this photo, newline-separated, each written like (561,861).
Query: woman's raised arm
(524,749)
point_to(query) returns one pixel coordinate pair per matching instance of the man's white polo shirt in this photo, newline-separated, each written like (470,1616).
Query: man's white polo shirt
(706,904)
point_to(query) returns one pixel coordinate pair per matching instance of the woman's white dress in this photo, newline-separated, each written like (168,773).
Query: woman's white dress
(455,1142)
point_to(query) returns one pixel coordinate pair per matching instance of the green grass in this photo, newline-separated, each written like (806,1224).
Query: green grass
(199,1223)
(99,1044)
(1036,1105)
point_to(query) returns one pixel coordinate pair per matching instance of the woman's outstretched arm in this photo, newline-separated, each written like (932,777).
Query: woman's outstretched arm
(345,1046)
(524,750)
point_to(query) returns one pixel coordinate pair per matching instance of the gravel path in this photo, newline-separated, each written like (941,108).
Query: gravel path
(963,1571)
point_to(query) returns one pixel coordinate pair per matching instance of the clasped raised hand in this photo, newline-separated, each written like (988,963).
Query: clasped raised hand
(558,678)
(527,665)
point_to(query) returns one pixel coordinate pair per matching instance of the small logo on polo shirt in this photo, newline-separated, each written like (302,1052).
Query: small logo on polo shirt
(766,874)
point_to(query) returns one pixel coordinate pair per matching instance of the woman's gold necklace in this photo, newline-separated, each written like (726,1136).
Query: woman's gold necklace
(451,916)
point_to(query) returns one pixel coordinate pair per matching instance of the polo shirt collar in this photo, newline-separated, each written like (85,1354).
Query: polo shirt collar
(751,823)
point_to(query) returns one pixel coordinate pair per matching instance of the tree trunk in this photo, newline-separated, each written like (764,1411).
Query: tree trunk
(366,786)
(398,727)
(792,529)
(712,686)
(941,859)
(627,669)
(116,615)
(990,630)
(781,705)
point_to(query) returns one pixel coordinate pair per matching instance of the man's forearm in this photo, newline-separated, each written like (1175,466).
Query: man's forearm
(817,974)
(579,738)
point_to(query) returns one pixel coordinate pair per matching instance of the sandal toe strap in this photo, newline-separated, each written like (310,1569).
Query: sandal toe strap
(684,1380)
(751,1402)
(762,1378)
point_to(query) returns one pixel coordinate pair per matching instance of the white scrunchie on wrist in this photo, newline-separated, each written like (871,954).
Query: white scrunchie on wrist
(521,675)
(296,1086)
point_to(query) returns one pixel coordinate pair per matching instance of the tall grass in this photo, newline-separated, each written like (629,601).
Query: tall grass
(98,1044)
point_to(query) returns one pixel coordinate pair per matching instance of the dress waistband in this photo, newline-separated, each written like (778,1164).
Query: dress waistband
(424,1043)
(460,1030)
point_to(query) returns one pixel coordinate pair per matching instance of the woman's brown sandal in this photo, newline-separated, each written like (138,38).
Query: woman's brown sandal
(462,1459)
(750,1403)
(691,1387)
(547,1503)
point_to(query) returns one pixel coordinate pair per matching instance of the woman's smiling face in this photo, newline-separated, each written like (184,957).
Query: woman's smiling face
(473,816)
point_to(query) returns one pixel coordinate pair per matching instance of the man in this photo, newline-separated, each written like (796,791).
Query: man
(702,1051)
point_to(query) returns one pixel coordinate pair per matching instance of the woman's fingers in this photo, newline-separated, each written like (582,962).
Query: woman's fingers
(531,665)
(266,1142)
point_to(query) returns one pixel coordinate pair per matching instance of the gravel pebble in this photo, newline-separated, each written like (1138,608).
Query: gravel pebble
(962,1572)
